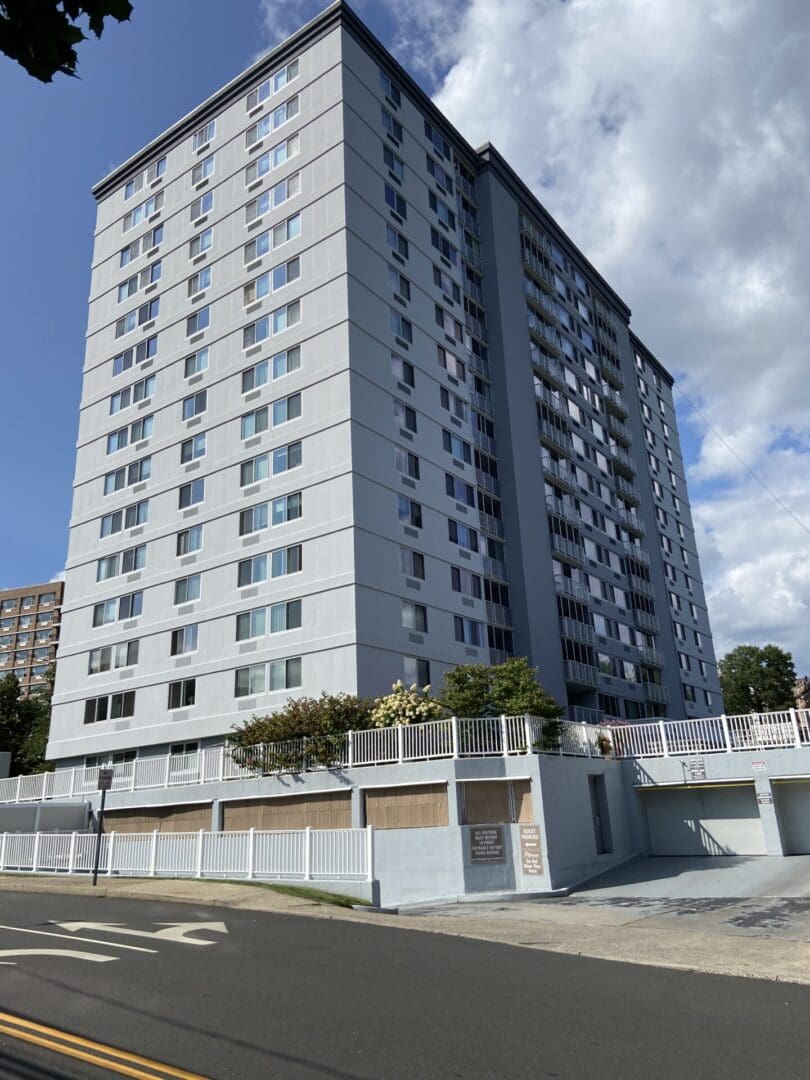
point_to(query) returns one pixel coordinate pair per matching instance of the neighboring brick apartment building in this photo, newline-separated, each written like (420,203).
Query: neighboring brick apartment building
(355,409)
(29,632)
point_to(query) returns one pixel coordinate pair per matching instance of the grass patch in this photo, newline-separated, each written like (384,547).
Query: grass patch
(317,896)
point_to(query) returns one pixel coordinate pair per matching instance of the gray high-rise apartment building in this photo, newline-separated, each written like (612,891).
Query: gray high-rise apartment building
(356,409)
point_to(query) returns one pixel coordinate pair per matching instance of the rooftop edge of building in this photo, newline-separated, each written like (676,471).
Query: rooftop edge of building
(637,343)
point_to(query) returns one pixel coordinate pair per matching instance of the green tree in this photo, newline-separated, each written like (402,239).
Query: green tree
(757,679)
(511,688)
(24,724)
(42,35)
(323,721)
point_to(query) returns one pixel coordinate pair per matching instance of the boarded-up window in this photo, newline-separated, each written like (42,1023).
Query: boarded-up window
(417,806)
(496,802)
(331,810)
(168,819)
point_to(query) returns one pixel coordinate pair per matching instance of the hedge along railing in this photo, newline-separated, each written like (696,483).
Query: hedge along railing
(299,854)
(454,737)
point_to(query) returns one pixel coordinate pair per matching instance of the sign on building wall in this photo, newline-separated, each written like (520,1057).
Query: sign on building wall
(697,768)
(531,855)
(486,843)
(764,798)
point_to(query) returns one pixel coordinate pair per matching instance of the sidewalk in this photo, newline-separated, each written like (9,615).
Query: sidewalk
(756,938)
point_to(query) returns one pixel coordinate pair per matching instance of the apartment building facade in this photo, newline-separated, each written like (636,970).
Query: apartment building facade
(29,633)
(356,409)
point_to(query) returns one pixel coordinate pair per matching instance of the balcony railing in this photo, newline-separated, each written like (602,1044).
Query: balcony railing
(627,490)
(560,440)
(614,401)
(567,549)
(577,674)
(631,521)
(575,630)
(633,551)
(622,462)
(564,510)
(619,429)
(655,692)
(645,621)
(552,369)
(559,473)
(641,586)
(567,586)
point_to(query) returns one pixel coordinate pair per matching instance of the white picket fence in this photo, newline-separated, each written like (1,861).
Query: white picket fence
(296,854)
(455,737)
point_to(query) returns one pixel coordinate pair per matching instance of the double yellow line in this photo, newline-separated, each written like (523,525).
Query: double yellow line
(96,1053)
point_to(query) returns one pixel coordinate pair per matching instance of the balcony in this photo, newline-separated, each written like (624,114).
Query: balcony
(567,549)
(645,621)
(484,442)
(487,482)
(555,438)
(483,404)
(614,402)
(651,657)
(498,614)
(473,290)
(620,430)
(548,333)
(583,675)
(655,692)
(567,586)
(580,714)
(538,269)
(472,257)
(494,568)
(475,326)
(622,462)
(641,586)
(467,219)
(552,398)
(611,373)
(552,369)
(575,630)
(466,187)
(627,490)
(491,524)
(631,521)
(558,473)
(633,551)
(563,510)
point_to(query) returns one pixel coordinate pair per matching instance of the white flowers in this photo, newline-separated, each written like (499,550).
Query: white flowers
(405,705)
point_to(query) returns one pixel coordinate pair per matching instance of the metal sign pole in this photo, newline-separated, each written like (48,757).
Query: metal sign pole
(105,777)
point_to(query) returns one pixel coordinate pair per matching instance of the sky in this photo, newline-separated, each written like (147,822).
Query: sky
(671,140)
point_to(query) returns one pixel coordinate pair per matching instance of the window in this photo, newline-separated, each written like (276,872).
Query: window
(202,205)
(118,608)
(286,409)
(450,290)
(390,90)
(396,241)
(196,363)
(114,707)
(439,174)
(189,540)
(442,210)
(406,463)
(285,616)
(440,144)
(145,350)
(253,519)
(111,657)
(273,238)
(138,247)
(409,511)
(137,317)
(273,197)
(192,493)
(143,211)
(281,364)
(284,674)
(395,202)
(414,616)
(251,624)
(462,535)
(132,515)
(201,242)
(465,582)
(402,370)
(131,395)
(200,281)
(271,159)
(250,680)
(457,489)
(150,275)
(416,671)
(400,326)
(455,405)
(187,589)
(404,415)
(456,446)
(146,176)
(412,563)
(467,630)
(398,283)
(133,559)
(199,320)
(286,457)
(444,247)
(203,135)
(255,422)
(193,448)
(272,281)
(286,508)
(285,561)
(108,567)
(202,170)
(195,404)
(395,163)
(390,124)
(184,640)
(127,476)
(251,571)
(182,694)
(254,470)
(281,319)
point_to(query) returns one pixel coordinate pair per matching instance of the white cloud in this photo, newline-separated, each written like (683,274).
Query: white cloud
(672,142)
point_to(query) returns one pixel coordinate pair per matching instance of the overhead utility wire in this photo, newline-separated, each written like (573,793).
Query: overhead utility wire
(749,470)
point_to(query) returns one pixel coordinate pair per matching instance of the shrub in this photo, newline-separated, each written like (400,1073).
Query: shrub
(406,705)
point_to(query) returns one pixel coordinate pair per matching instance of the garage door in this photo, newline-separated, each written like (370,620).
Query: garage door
(793,800)
(705,821)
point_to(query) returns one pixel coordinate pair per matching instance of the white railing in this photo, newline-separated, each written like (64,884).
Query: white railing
(455,737)
(300,854)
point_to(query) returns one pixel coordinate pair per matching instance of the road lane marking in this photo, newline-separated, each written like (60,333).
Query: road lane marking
(172,931)
(72,937)
(62,1042)
(72,953)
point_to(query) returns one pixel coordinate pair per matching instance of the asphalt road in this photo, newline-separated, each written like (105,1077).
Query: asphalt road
(290,997)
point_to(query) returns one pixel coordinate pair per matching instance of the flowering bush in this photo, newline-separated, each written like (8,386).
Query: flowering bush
(405,705)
